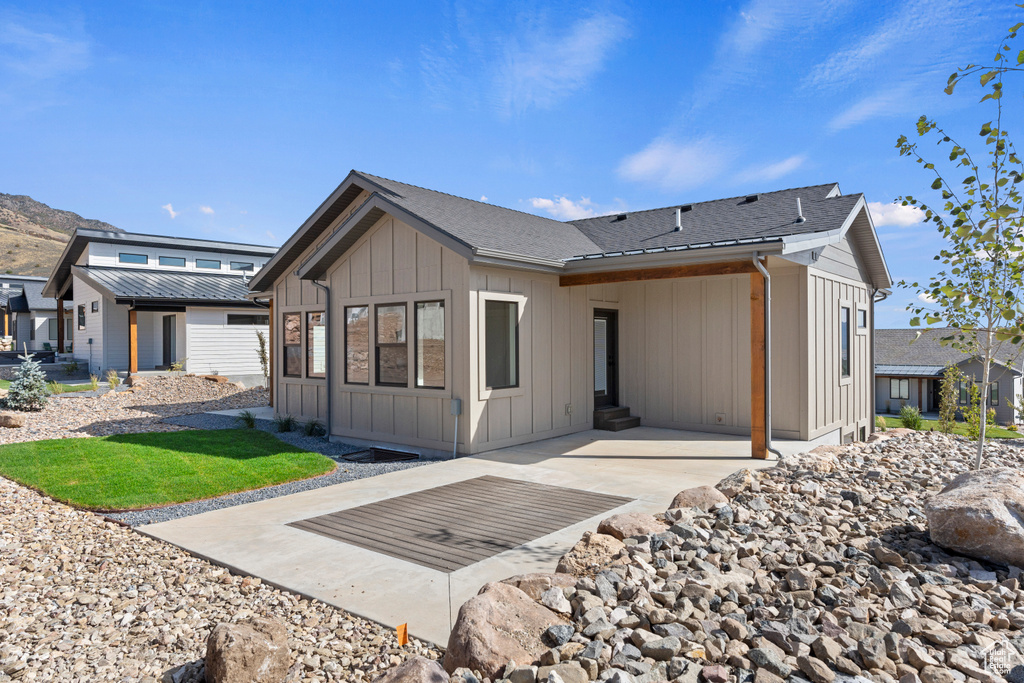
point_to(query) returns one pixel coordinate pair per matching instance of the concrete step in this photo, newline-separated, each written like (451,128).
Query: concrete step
(605,418)
(620,423)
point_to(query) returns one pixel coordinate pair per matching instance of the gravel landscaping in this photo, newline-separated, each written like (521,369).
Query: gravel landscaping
(825,569)
(84,599)
(141,408)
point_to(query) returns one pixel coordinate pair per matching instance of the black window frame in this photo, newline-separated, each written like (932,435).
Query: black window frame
(95,307)
(81,316)
(143,262)
(285,345)
(248,319)
(899,392)
(209,260)
(416,344)
(993,394)
(377,344)
(250,266)
(31,329)
(515,339)
(309,343)
(845,343)
(160,260)
(366,308)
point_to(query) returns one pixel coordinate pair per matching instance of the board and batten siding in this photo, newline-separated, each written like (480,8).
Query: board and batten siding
(214,347)
(394,263)
(302,397)
(839,408)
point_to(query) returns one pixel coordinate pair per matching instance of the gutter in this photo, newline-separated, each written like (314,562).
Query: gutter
(767,355)
(874,380)
(327,352)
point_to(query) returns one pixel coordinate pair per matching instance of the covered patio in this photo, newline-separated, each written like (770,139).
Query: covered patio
(642,467)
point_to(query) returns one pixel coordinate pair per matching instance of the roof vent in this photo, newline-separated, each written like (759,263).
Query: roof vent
(686,207)
(621,217)
(752,198)
(799,211)
(679,219)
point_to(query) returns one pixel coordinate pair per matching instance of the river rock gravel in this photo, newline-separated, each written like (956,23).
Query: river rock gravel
(86,599)
(141,408)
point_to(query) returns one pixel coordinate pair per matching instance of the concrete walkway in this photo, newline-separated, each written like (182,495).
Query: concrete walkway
(645,464)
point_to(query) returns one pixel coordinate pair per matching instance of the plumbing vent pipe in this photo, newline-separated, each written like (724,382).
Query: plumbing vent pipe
(679,219)
(799,211)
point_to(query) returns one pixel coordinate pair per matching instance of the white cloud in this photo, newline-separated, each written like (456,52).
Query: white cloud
(895,214)
(565,209)
(483,198)
(207,210)
(539,69)
(170,210)
(773,171)
(924,298)
(677,165)
(880,104)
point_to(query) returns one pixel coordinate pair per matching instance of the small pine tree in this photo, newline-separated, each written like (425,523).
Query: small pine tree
(28,388)
(951,379)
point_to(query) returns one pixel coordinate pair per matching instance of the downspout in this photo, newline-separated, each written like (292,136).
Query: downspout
(874,380)
(327,358)
(767,354)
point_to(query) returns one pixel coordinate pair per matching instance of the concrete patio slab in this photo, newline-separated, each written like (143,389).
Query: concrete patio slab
(644,464)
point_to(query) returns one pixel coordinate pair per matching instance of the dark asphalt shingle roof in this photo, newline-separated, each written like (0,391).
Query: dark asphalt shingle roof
(165,286)
(772,215)
(486,226)
(904,347)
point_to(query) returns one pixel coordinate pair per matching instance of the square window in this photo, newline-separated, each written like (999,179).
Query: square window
(862,319)
(501,344)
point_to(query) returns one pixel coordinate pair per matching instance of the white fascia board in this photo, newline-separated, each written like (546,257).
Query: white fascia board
(676,257)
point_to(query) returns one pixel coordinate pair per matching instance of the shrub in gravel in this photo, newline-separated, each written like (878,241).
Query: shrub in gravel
(113,379)
(94,382)
(314,427)
(28,388)
(247,419)
(284,423)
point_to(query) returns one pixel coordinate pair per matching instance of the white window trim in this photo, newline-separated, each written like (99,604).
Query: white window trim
(856,319)
(841,304)
(483,392)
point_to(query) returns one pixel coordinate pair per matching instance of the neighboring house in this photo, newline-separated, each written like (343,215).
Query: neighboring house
(909,368)
(145,302)
(29,318)
(418,305)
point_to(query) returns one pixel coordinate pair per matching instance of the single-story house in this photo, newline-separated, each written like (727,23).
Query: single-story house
(400,312)
(909,365)
(29,318)
(148,302)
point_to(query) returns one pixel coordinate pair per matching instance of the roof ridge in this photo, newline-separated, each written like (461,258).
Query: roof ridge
(467,199)
(720,199)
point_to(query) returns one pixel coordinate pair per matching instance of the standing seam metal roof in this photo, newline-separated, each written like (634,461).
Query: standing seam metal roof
(165,286)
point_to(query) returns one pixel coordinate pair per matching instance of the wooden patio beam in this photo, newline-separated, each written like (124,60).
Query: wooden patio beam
(665,273)
(133,341)
(758,378)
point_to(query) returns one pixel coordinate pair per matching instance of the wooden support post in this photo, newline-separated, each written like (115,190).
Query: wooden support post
(758,380)
(60,325)
(272,350)
(133,342)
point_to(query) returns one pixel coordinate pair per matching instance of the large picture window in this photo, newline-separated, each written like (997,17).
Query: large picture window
(899,389)
(430,344)
(501,342)
(292,345)
(316,345)
(844,341)
(392,346)
(357,345)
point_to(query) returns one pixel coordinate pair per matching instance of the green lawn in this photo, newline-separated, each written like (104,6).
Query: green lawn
(992,431)
(131,471)
(6,384)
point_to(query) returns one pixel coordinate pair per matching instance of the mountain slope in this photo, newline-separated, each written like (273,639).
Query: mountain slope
(33,235)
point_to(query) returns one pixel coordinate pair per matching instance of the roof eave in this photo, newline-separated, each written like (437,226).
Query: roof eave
(704,254)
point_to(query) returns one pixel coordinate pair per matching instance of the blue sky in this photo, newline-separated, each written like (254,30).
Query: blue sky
(233,120)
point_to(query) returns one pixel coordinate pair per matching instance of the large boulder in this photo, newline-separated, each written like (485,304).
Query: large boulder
(979,514)
(591,554)
(498,625)
(415,670)
(255,651)
(12,420)
(535,585)
(629,524)
(703,497)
